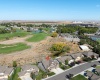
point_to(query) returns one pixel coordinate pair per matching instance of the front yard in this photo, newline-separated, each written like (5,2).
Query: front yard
(42,75)
(79,77)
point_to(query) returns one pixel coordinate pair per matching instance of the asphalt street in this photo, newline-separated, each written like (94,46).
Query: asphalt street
(75,70)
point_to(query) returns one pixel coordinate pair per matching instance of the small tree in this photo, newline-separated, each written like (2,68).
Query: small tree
(59,48)
(54,34)
(32,75)
(14,64)
(66,62)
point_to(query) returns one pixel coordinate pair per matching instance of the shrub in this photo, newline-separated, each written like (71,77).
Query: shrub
(59,48)
(66,62)
(51,73)
(14,64)
(32,75)
(54,34)
(62,66)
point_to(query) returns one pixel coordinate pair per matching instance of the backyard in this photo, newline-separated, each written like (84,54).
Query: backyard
(5,49)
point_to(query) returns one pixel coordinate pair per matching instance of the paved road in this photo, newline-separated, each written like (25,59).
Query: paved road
(74,71)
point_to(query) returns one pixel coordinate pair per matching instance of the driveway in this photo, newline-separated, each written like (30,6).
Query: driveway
(26,77)
(57,70)
(74,71)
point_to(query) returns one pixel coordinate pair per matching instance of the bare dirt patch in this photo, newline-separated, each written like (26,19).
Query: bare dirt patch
(15,40)
(35,53)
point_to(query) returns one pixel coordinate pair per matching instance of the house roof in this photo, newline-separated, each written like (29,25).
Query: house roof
(8,71)
(4,79)
(47,63)
(89,53)
(22,73)
(28,66)
(2,69)
(62,59)
(84,47)
(76,55)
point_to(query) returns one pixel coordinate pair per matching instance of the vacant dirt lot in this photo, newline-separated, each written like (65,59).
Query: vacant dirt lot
(37,51)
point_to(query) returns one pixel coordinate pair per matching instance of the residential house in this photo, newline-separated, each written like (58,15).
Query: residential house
(26,70)
(84,47)
(64,58)
(23,28)
(95,37)
(90,54)
(5,72)
(69,37)
(77,57)
(47,64)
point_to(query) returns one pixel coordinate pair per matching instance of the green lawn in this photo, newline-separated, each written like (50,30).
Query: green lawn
(42,75)
(4,49)
(98,41)
(37,37)
(14,76)
(98,66)
(11,35)
(2,26)
(79,77)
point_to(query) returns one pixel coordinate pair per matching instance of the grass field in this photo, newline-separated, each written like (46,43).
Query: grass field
(98,66)
(2,26)
(38,37)
(5,49)
(11,35)
(98,41)
(79,77)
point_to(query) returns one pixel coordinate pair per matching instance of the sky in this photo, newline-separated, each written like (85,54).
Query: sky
(50,10)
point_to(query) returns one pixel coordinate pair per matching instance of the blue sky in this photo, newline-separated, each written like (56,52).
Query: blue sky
(49,9)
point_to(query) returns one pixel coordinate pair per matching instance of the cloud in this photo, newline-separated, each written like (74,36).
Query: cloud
(98,5)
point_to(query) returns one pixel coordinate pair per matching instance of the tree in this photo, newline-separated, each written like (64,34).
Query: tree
(40,29)
(54,34)
(59,48)
(32,75)
(66,62)
(14,64)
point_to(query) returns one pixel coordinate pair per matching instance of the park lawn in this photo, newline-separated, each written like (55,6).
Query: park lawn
(79,77)
(37,37)
(2,26)
(5,49)
(14,76)
(14,34)
(47,29)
